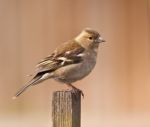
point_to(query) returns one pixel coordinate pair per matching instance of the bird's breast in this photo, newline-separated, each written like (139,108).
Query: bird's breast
(74,72)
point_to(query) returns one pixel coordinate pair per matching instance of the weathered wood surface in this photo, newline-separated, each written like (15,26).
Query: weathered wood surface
(66,109)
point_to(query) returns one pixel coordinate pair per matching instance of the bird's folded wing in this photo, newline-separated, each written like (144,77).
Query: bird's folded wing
(68,53)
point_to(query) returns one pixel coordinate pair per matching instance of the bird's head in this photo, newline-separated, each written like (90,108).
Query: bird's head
(89,38)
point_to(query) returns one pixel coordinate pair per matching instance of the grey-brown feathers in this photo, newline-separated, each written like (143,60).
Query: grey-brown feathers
(92,32)
(70,62)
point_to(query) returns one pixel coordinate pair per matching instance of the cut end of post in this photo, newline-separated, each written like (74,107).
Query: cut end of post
(74,94)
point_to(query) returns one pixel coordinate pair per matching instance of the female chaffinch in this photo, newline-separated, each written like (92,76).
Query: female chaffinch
(70,62)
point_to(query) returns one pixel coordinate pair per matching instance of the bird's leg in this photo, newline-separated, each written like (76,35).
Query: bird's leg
(75,89)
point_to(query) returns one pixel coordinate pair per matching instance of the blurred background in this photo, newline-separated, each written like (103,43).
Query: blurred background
(117,92)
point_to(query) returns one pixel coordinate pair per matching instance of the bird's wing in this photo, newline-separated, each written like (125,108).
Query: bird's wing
(68,53)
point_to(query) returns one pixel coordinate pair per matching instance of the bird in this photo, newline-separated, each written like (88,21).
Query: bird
(70,62)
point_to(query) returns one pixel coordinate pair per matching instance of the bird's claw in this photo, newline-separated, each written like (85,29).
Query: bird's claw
(76,91)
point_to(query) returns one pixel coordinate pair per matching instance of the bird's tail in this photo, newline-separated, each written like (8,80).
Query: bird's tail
(34,81)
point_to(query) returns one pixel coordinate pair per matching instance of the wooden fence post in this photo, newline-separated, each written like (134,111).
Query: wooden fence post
(66,109)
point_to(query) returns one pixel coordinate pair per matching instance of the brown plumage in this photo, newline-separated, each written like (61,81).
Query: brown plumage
(70,62)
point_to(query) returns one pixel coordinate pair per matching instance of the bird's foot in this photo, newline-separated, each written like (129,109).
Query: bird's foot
(75,91)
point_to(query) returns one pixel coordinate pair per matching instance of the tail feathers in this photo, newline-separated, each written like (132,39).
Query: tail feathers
(34,81)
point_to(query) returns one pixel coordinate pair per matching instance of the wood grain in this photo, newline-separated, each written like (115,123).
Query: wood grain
(66,109)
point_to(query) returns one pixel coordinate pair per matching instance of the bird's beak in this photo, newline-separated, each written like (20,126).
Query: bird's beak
(100,39)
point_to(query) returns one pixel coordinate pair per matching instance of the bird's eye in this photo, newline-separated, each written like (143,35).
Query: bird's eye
(90,38)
